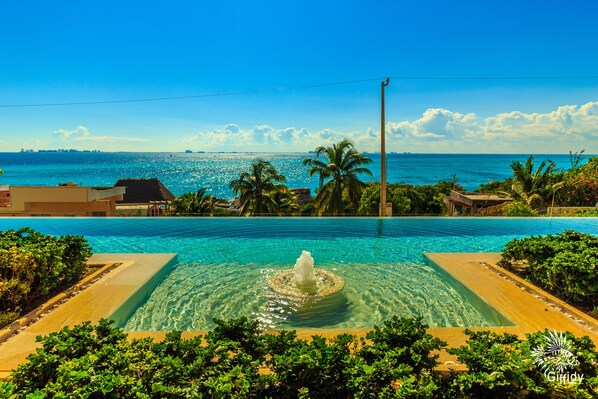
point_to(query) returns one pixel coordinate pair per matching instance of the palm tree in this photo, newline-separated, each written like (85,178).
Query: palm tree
(528,182)
(343,165)
(198,203)
(258,188)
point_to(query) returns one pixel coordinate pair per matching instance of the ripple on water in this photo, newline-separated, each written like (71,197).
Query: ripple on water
(196,293)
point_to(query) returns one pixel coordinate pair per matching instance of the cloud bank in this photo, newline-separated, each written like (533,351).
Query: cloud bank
(437,130)
(81,133)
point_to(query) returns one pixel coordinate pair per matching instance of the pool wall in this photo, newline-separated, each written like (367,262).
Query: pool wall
(140,296)
(493,315)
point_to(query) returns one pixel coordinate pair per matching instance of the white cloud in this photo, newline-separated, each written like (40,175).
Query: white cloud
(81,133)
(437,130)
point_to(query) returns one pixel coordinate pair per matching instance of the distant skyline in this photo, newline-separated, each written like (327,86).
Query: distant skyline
(75,51)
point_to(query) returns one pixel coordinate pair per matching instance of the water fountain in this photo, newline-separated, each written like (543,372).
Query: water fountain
(306,281)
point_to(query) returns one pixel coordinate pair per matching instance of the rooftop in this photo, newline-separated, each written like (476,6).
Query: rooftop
(143,191)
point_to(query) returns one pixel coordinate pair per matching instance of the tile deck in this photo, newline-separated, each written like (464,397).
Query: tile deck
(530,309)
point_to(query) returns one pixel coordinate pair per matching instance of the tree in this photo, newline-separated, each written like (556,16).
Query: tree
(286,202)
(576,159)
(370,200)
(258,188)
(342,167)
(580,185)
(527,182)
(198,203)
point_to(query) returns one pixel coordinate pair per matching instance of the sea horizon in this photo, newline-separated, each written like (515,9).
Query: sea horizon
(183,172)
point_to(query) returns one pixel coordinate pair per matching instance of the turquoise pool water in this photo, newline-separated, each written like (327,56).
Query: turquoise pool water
(225,263)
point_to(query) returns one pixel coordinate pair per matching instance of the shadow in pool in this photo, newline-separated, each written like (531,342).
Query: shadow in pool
(324,312)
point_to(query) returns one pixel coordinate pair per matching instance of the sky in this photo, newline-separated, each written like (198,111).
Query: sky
(268,51)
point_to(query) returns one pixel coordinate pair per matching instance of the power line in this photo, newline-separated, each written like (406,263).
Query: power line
(495,77)
(279,89)
(232,93)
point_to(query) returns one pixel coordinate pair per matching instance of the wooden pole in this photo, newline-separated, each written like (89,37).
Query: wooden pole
(383,154)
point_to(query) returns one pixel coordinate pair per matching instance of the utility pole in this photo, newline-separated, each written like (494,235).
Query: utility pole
(383,212)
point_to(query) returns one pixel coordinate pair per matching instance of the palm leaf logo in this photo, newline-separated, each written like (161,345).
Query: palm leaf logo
(555,355)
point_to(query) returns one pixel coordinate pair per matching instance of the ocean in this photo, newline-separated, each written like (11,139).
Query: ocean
(182,172)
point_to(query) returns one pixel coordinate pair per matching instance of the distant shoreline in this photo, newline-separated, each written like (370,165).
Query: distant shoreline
(279,152)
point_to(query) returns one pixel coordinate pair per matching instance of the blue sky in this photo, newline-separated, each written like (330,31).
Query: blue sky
(69,51)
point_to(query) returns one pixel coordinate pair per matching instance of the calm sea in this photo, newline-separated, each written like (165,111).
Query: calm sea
(187,172)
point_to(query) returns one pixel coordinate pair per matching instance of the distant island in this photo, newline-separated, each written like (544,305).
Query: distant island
(58,150)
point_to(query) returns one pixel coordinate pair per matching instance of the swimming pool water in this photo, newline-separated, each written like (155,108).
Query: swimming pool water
(225,263)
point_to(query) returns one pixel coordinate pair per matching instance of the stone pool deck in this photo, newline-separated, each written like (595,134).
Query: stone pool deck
(529,308)
(99,300)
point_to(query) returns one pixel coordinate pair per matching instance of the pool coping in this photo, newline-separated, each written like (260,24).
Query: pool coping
(478,272)
(22,322)
(99,300)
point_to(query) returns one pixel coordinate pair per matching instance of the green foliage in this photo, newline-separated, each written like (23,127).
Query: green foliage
(396,361)
(527,181)
(501,366)
(286,203)
(195,204)
(8,317)
(370,200)
(258,187)
(566,264)
(427,199)
(308,210)
(519,209)
(34,265)
(407,199)
(503,186)
(403,341)
(576,158)
(342,168)
(580,185)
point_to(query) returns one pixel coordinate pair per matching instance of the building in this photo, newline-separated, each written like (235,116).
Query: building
(470,203)
(303,196)
(63,200)
(143,197)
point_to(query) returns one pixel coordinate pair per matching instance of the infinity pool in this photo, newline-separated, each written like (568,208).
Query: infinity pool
(225,263)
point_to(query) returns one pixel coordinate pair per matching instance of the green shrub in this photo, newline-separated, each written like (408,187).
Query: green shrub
(308,210)
(519,209)
(580,185)
(34,265)
(8,317)
(565,264)
(370,200)
(588,214)
(502,366)
(396,361)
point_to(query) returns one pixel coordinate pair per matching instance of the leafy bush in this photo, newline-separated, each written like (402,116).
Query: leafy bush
(34,265)
(565,264)
(501,366)
(580,186)
(519,209)
(407,199)
(370,200)
(236,360)
(308,210)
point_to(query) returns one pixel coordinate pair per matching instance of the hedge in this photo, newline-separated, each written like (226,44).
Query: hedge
(566,264)
(35,265)
(236,360)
